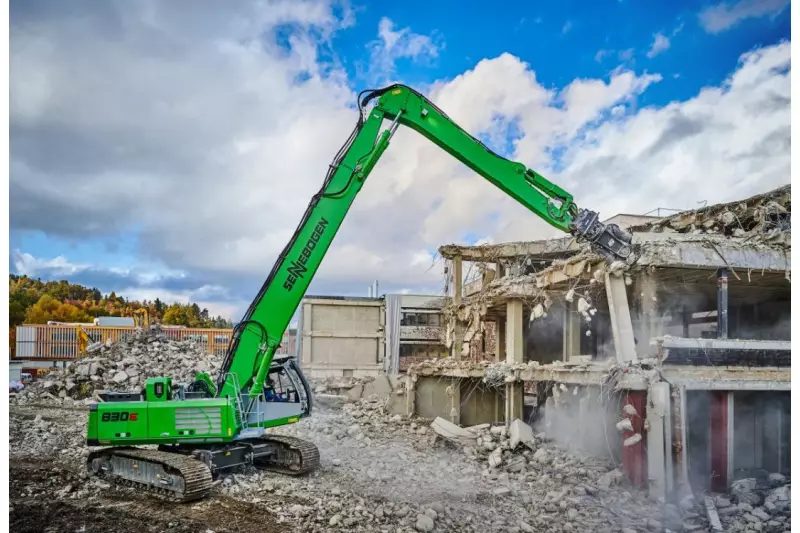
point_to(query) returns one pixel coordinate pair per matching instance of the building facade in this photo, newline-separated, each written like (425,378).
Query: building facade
(362,336)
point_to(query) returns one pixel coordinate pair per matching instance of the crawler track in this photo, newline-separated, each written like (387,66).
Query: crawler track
(294,458)
(184,478)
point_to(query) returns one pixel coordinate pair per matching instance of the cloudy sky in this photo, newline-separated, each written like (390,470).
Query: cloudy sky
(169,149)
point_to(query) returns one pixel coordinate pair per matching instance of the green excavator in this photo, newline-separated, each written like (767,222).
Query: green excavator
(194,431)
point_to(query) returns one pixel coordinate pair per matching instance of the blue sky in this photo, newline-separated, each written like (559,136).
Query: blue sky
(78,213)
(561,40)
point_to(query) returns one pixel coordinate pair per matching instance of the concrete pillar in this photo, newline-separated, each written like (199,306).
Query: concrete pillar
(648,323)
(500,270)
(658,447)
(458,339)
(572,332)
(458,288)
(411,394)
(307,330)
(453,392)
(515,354)
(722,303)
(720,449)
(514,335)
(621,324)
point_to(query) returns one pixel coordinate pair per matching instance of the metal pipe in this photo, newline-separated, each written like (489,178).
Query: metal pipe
(722,303)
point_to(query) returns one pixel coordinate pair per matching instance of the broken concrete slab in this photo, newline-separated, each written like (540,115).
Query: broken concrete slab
(521,433)
(454,433)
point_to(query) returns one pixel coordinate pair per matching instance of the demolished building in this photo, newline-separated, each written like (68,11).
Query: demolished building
(675,364)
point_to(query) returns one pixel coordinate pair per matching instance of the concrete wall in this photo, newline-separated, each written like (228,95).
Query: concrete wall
(342,337)
(431,398)
(480,404)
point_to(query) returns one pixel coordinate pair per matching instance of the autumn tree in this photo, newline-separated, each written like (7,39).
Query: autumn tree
(48,308)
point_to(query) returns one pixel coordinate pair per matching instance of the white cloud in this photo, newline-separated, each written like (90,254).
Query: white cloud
(392,45)
(28,265)
(206,141)
(660,44)
(205,297)
(725,15)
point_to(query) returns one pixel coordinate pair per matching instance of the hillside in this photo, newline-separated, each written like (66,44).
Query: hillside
(32,301)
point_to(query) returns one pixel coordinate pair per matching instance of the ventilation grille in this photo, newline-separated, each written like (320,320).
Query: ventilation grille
(200,419)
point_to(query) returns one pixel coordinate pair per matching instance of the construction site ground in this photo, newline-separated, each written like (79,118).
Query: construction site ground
(378,473)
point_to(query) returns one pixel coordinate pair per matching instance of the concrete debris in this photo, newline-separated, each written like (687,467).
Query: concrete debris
(743,510)
(537,312)
(122,366)
(496,457)
(453,433)
(633,439)
(625,425)
(713,517)
(765,217)
(521,433)
(629,410)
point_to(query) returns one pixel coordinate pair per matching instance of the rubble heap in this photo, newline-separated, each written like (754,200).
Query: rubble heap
(767,216)
(122,366)
(760,504)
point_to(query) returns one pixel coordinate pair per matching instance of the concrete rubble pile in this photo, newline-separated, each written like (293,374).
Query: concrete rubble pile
(765,217)
(387,473)
(122,366)
(754,504)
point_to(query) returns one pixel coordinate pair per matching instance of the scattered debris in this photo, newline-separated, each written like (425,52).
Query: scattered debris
(713,517)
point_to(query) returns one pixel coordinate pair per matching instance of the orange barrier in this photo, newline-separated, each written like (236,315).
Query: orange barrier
(60,343)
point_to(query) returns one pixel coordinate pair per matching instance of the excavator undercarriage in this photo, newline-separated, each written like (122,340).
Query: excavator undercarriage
(185,473)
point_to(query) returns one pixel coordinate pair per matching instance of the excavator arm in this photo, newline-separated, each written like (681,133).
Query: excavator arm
(258,335)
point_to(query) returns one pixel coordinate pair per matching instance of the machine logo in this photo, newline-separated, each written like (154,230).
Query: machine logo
(298,268)
(119,416)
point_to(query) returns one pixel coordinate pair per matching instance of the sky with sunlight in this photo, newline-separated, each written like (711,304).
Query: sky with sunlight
(169,149)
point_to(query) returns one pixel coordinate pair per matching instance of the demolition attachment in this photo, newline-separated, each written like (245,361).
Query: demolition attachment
(608,240)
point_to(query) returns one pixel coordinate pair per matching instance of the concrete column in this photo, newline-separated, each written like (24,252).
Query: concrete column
(411,394)
(720,449)
(621,324)
(457,280)
(572,332)
(458,339)
(730,435)
(514,335)
(658,447)
(453,392)
(648,326)
(722,303)
(500,270)
(308,328)
(515,354)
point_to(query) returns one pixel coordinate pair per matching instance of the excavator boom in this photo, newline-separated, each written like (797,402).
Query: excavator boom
(259,333)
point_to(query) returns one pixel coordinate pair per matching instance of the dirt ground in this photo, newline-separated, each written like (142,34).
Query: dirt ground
(33,510)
